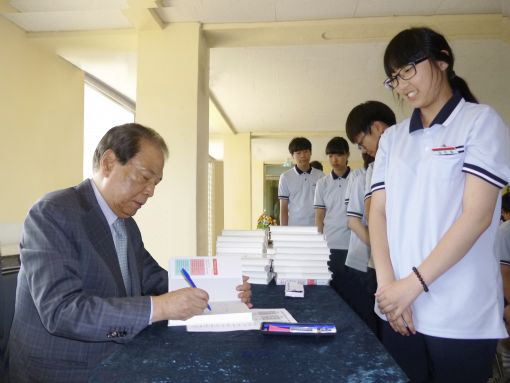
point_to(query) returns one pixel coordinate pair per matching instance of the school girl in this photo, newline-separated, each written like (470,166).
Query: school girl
(330,217)
(434,215)
(364,126)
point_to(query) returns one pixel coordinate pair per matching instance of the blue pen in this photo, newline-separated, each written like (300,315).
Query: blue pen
(190,281)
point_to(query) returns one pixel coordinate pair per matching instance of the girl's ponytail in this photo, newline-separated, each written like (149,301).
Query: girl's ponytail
(459,84)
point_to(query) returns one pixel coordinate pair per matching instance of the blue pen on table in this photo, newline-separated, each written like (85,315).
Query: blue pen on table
(190,281)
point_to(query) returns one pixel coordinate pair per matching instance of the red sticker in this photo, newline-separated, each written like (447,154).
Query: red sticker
(197,267)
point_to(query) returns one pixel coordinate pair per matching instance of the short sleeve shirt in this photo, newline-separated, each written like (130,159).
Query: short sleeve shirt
(298,188)
(423,171)
(368,181)
(358,253)
(502,244)
(330,195)
(356,190)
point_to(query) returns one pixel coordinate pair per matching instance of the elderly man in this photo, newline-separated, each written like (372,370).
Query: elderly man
(86,283)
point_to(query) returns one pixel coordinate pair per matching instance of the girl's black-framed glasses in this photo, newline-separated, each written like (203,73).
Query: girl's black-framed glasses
(407,72)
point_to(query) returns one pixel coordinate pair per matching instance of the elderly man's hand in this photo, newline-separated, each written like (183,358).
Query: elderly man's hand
(245,291)
(179,304)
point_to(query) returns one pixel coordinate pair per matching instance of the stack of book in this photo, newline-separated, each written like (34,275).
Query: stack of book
(301,254)
(251,246)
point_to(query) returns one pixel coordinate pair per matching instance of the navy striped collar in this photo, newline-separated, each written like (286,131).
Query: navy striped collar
(346,173)
(441,117)
(299,171)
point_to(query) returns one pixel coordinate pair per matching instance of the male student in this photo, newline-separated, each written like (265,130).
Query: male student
(364,126)
(330,209)
(502,252)
(87,285)
(297,186)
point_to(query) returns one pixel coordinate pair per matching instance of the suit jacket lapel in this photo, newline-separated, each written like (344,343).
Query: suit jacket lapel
(99,233)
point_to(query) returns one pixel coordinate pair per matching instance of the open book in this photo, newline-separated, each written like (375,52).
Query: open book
(259,316)
(219,276)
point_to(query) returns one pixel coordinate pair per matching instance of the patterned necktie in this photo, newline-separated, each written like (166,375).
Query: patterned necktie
(120,241)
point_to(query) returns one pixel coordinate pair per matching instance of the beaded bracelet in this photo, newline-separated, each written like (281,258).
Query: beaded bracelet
(425,287)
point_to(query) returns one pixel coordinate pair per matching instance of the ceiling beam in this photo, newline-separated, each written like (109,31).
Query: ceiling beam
(372,29)
(63,43)
(296,133)
(222,113)
(142,14)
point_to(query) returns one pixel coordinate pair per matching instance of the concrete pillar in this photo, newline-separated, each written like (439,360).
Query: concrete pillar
(237,181)
(172,98)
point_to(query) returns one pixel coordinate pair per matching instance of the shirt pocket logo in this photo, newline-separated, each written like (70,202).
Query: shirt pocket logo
(447,150)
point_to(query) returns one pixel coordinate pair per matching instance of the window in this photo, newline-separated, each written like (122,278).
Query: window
(104,108)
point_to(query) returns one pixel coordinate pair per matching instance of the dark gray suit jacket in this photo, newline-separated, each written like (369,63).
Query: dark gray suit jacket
(71,305)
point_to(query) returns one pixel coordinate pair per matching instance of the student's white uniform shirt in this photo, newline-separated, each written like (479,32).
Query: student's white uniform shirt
(368,181)
(299,189)
(502,245)
(330,195)
(358,253)
(423,172)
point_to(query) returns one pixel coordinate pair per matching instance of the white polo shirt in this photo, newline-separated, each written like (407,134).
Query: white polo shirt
(423,172)
(299,189)
(358,253)
(502,244)
(330,195)
(368,181)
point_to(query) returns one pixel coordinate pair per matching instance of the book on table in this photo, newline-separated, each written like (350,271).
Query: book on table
(219,276)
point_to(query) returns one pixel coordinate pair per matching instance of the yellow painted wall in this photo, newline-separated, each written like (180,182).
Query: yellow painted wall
(202,145)
(218,202)
(257,191)
(237,181)
(41,133)
(172,98)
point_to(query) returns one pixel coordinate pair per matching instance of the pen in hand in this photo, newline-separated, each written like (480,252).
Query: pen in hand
(190,281)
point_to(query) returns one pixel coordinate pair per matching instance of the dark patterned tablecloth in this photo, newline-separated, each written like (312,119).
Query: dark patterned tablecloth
(170,354)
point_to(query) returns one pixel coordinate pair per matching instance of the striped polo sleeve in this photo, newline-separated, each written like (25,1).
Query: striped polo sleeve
(318,200)
(351,178)
(356,206)
(283,188)
(488,148)
(368,181)
(348,188)
(379,172)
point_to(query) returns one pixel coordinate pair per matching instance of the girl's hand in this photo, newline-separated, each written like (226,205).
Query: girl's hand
(394,298)
(404,324)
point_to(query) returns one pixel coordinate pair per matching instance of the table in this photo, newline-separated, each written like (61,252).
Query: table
(170,354)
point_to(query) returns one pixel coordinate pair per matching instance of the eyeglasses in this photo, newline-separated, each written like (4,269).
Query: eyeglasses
(407,72)
(360,143)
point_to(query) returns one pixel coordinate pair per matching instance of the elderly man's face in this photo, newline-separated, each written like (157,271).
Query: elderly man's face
(127,187)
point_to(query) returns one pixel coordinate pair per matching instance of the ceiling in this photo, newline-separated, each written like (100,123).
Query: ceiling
(272,91)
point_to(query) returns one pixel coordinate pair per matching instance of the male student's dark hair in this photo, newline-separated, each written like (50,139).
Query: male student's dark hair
(505,202)
(362,116)
(299,143)
(317,165)
(337,145)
